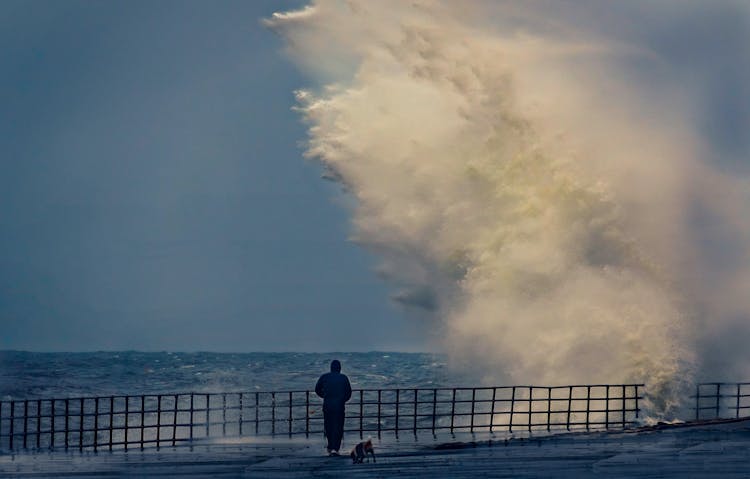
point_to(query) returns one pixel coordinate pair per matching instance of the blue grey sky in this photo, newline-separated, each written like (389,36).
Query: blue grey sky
(153,194)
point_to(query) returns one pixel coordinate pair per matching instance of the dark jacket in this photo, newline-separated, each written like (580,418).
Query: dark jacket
(335,389)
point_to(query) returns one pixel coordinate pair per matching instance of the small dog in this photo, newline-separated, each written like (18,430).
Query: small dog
(361,450)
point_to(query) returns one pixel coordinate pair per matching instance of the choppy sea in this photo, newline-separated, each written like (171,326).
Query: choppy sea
(28,375)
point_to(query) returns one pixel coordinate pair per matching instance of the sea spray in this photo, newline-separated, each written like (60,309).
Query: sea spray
(520,195)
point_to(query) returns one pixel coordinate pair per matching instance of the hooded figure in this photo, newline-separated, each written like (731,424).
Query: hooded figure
(335,390)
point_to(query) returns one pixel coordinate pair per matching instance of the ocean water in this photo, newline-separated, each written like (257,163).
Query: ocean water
(26,375)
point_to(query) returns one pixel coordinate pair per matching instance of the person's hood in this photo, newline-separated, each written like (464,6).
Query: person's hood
(335,366)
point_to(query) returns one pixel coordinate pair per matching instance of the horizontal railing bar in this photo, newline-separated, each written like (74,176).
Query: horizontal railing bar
(285,419)
(167,409)
(410,389)
(497,400)
(402,413)
(724,384)
(709,397)
(561,425)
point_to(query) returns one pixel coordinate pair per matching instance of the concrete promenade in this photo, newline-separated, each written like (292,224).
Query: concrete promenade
(698,451)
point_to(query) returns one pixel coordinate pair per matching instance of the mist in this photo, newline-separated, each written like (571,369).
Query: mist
(538,180)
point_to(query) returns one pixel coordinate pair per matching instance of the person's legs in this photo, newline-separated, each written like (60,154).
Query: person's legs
(328,417)
(336,431)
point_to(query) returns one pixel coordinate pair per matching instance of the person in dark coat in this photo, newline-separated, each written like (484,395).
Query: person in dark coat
(335,390)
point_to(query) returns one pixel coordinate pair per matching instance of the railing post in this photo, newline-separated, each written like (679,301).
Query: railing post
(25,421)
(96,424)
(398,392)
(737,409)
(257,407)
(158,421)
(1,424)
(290,414)
(379,402)
(13,420)
(38,422)
(307,413)
(80,429)
(52,425)
(453,408)
(588,405)
(208,415)
(549,408)
(143,419)
(192,411)
(492,409)
(224,414)
(415,411)
(512,406)
(127,422)
(697,401)
(273,413)
(570,406)
(67,421)
(531,399)
(174,421)
(434,409)
(718,399)
(623,406)
(361,412)
(606,407)
(111,417)
(473,402)
(241,412)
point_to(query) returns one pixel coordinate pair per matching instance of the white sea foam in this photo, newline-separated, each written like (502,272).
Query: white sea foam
(547,215)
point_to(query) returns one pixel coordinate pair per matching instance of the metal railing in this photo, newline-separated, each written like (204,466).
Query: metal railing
(721,401)
(123,422)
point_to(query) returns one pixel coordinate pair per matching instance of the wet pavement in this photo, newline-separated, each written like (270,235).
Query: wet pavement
(696,451)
